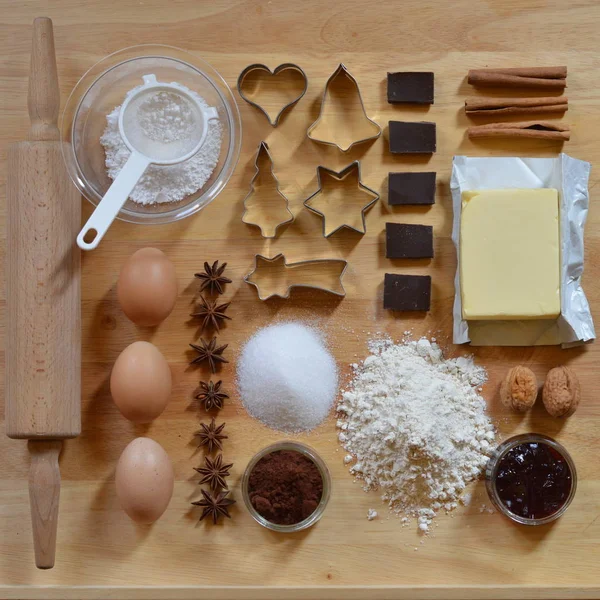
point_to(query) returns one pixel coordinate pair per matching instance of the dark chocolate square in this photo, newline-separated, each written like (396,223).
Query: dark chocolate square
(412,138)
(411,188)
(408,241)
(410,88)
(407,292)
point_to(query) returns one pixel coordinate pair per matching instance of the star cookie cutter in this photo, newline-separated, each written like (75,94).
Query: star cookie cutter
(263,68)
(326,136)
(264,217)
(341,211)
(280,277)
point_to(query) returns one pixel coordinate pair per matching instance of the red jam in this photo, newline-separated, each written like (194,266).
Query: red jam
(533,480)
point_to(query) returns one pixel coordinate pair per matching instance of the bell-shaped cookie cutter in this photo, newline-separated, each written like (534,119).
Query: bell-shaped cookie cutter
(271,230)
(340,176)
(260,67)
(303,272)
(342,71)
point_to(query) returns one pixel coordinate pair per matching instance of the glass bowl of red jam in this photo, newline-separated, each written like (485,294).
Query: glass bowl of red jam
(531,479)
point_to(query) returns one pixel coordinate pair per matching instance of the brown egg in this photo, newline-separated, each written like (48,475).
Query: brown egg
(147,287)
(140,382)
(144,480)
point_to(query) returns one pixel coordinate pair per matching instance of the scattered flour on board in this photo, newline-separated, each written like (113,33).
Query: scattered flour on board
(167,183)
(416,426)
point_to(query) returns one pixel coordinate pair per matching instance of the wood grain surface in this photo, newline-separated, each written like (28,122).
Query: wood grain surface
(101,553)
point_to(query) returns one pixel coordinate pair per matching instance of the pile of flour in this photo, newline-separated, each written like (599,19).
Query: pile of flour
(167,183)
(415,427)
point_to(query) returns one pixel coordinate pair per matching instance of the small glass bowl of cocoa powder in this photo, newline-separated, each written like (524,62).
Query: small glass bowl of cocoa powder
(286,487)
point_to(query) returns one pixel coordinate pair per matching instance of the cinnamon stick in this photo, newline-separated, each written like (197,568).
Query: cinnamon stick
(543,130)
(542,72)
(516,106)
(532,77)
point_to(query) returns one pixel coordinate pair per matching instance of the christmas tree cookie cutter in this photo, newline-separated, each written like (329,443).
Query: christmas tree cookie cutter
(265,205)
(334,129)
(260,68)
(333,208)
(275,277)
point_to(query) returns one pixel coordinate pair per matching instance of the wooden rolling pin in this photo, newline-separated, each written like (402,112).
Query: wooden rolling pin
(43,348)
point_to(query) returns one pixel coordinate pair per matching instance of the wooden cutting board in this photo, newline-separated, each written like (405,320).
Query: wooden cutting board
(471,554)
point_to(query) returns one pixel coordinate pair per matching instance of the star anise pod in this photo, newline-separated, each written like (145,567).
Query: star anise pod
(211,313)
(214,472)
(212,278)
(211,395)
(214,505)
(210,352)
(211,436)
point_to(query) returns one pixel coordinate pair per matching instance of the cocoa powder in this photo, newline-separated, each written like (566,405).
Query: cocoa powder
(285,487)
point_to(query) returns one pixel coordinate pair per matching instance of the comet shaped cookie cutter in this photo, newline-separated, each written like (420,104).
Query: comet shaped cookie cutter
(353,168)
(342,71)
(263,68)
(323,274)
(267,229)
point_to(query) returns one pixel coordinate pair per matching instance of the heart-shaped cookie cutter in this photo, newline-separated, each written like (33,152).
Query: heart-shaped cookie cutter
(260,67)
(323,274)
(342,71)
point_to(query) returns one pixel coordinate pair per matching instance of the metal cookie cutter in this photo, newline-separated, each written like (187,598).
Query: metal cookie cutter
(279,69)
(327,137)
(265,218)
(341,211)
(279,277)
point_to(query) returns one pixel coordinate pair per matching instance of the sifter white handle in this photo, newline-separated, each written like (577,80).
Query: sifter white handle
(108,208)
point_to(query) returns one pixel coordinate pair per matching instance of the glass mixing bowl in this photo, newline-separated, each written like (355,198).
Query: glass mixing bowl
(104,87)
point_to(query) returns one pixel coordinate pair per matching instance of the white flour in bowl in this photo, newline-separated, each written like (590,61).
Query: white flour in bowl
(165,117)
(168,183)
(416,426)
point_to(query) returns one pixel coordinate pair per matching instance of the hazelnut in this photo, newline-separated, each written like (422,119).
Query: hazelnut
(562,392)
(519,389)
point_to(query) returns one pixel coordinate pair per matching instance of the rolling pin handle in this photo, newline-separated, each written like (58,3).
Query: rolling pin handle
(43,99)
(44,494)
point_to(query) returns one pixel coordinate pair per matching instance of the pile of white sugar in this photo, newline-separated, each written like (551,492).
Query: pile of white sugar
(287,377)
(415,426)
(160,119)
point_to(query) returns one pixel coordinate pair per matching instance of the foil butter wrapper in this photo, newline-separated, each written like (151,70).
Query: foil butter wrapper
(570,177)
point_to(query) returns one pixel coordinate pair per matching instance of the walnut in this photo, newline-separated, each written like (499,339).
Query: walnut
(519,389)
(562,392)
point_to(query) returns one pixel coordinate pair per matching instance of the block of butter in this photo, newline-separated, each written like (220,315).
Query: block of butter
(510,254)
